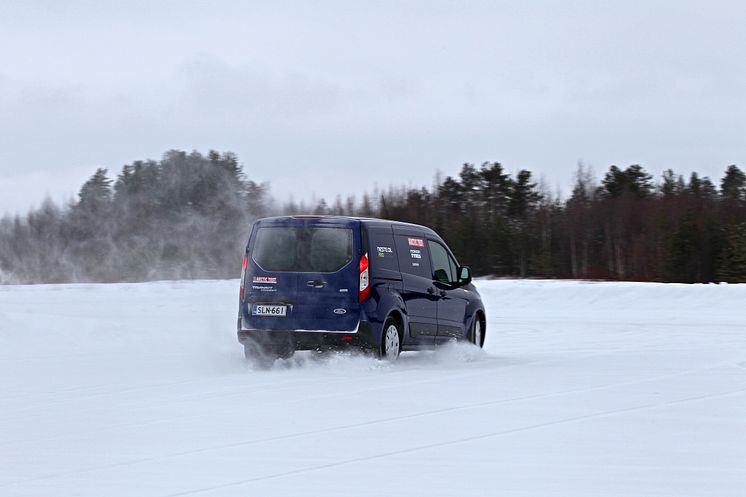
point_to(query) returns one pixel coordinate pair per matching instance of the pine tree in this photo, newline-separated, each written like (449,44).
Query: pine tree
(682,254)
(523,200)
(733,185)
(496,189)
(633,180)
(733,193)
(672,184)
(95,194)
(523,195)
(732,261)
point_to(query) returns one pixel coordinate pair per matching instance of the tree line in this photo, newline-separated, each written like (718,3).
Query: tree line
(625,227)
(188,215)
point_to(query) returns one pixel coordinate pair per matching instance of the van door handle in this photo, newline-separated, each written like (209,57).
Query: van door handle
(315,283)
(431,290)
(442,293)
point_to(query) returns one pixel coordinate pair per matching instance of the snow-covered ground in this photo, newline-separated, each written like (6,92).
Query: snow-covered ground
(583,389)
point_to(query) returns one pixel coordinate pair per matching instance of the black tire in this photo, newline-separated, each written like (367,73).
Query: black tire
(390,346)
(476,334)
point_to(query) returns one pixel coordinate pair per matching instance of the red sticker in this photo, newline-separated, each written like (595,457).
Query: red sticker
(265,279)
(416,242)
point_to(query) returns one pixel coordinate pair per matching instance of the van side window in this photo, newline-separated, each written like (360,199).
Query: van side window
(413,256)
(444,267)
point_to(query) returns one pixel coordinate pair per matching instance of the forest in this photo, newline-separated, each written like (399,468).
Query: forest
(188,215)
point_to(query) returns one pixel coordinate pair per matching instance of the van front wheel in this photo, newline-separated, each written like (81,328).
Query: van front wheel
(390,341)
(477,332)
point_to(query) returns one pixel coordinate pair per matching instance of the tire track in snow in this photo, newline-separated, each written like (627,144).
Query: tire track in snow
(410,450)
(89,392)
(293,385)
(433,412)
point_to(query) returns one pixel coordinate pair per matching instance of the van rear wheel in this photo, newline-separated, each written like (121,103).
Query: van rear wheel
(390,341)
(266,355)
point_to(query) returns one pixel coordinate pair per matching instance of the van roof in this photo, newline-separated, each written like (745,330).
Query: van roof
(364,220)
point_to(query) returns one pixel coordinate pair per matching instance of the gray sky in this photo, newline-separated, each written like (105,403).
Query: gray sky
(332,97)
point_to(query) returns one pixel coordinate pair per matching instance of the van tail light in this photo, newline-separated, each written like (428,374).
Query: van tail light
(364,293)
(243,276)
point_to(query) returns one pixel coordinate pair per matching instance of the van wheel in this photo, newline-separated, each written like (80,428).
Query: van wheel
(390,341)
(266,355)
(477,332)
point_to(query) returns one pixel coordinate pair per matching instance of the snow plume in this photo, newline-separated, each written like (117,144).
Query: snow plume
(456,354)
(331,360)
(185,216)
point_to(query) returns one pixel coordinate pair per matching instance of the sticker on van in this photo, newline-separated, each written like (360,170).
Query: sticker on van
(415,253)
(416,242)
(382,251)
(265,279)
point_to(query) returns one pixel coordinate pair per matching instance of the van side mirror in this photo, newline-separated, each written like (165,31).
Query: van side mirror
(464,275)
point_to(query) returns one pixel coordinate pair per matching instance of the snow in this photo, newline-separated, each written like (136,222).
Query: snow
(583,389)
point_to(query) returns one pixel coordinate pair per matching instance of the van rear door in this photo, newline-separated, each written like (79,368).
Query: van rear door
(327,297)
(303,275)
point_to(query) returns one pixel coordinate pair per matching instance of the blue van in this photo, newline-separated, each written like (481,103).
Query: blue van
(318,282)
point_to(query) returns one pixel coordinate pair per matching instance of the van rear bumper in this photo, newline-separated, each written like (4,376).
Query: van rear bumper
(360,337)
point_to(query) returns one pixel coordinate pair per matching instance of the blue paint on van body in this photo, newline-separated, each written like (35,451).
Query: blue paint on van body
(302,286)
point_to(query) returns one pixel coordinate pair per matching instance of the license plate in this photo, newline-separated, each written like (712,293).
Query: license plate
(269,310)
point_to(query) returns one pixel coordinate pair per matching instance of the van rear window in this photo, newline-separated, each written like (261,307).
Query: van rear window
(305,250)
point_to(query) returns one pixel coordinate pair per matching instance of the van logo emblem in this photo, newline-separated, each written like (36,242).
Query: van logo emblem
(340,311)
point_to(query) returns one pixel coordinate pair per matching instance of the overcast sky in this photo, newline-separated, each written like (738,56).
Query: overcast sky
(333,97)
